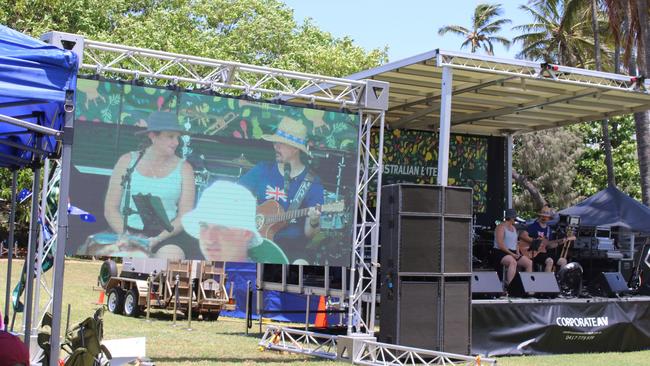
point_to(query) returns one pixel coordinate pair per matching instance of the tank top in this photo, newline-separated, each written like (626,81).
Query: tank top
(168,188)
(509,239)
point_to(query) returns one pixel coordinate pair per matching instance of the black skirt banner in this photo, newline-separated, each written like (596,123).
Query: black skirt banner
(563,326)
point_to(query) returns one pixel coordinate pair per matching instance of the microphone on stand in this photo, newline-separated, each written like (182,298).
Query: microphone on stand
(126,186)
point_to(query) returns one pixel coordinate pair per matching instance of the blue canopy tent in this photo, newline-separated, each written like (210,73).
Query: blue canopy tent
(37,83)
(611,207)
(34,79)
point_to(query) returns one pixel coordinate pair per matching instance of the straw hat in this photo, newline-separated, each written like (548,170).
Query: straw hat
(162,121)
(546,212)
(290,132)
(226,204)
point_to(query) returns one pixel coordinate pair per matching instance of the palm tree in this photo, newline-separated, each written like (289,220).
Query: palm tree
(561,33)
(485,26)
(630,18)
(604,124)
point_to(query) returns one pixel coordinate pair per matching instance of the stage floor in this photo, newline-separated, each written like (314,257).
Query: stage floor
(527,326)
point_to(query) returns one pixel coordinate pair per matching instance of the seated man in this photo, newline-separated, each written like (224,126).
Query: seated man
(541,230)
(224,221)
(504,252)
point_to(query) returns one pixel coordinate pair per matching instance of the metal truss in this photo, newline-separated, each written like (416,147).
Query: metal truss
(221,76)
(375,353)
(299,341)
(43,290)
(529,69)
(47,238)
(365,252)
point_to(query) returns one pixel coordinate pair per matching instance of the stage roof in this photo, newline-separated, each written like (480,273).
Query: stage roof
(494,96)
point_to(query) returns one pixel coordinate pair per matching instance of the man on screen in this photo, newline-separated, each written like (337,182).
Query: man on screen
(224,223)
(285,186)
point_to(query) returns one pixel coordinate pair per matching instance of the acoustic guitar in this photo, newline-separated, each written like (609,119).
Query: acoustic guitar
(540,246)
(271,217)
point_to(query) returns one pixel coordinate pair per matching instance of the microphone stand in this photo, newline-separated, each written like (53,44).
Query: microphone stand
(126,187)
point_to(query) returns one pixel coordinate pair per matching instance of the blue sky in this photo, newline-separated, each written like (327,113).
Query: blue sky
(407,27)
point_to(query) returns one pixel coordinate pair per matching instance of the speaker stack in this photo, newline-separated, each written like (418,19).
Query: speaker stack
(426,234)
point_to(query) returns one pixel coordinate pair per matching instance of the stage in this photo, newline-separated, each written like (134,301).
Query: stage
(516,326)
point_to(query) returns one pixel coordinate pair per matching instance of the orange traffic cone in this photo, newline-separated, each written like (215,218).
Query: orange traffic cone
(100,301)
(321,316)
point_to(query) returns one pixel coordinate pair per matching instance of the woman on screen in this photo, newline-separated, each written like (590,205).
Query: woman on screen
(151,189)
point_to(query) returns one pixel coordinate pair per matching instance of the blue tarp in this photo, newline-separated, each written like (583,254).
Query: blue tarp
(611,207)
(34,79)
(240,273)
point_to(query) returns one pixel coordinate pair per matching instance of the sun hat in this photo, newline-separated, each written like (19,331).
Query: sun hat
(545,211)
(510,213)
(162,121)
(290,132)
(226,204)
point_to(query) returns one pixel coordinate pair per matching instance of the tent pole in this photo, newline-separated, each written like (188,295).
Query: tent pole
(509,140)
(62,230)
(31,254)
(10,244)
(40,255)
(445,126)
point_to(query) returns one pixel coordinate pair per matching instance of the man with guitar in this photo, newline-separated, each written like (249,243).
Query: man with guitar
(287,190)
(540,229)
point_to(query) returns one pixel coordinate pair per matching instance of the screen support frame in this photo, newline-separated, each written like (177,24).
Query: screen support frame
(369,98)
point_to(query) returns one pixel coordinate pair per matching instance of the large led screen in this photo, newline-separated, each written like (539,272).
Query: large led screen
(190,175)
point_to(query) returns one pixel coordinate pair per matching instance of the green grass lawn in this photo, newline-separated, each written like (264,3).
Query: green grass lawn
(224,342)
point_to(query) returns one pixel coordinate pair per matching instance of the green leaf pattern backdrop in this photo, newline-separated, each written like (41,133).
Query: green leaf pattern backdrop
(411,156)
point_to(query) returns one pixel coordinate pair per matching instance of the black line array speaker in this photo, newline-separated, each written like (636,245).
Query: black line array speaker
(428,312)
(486,285)
(426,229)
(538,284)
(611,284)
(425,255)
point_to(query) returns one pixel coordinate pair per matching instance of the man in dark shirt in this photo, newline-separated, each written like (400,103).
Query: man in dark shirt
(287,183)
(540,229)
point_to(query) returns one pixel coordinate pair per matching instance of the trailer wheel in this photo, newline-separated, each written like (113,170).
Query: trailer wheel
(115,302)
(131,307)
(212,316)
(106,271)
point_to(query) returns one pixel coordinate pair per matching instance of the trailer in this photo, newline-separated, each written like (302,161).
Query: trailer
(166,285)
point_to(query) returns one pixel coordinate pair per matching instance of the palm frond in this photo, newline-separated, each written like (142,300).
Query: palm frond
(455,29)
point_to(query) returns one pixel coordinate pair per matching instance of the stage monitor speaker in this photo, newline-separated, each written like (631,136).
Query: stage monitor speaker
(610,284)
(427,312)
(486,285)
(538,284)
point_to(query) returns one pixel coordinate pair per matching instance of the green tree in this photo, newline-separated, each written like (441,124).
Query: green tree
(544,165)
(629,19)
(560,32)
(486,24)
(591,173)
(260,32)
